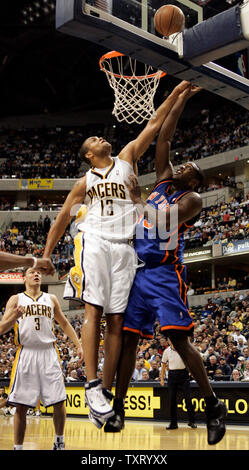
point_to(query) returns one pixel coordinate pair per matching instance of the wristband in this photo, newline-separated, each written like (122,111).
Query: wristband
(35,262)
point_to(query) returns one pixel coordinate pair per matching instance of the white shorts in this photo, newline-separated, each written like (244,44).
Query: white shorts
(36,374)
(103,273)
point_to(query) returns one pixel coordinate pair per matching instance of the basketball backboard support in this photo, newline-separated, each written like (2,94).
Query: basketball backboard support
(127,26)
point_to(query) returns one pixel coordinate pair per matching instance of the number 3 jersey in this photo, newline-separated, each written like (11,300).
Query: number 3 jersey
(110,212)
(35,327)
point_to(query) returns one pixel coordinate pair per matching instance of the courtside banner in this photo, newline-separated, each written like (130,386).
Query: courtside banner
(139,403)
(36,183)
(151,401)
(6,278)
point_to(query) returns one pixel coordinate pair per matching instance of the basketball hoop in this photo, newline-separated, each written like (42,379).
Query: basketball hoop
(134,86)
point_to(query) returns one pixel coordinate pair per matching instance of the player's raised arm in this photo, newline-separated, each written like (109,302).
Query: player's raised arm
(163,165)
(73,200)
(136,148)
(11,314)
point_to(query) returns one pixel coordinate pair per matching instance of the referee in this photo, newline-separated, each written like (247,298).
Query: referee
(178,378)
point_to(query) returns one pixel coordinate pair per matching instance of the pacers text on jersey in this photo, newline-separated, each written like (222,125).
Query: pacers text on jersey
(37,309)
(107,189)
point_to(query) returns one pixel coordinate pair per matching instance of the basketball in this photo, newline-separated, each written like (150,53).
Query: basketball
(168,20)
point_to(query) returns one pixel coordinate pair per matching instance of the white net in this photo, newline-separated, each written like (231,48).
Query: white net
(134,85)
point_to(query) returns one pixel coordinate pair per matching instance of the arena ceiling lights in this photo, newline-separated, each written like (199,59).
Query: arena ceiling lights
(37,11)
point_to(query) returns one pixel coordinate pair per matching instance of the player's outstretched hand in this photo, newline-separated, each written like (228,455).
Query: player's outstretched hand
(183,85)
(45,265)
(190,91)
(134,189)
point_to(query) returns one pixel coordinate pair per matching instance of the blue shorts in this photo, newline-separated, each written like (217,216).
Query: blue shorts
(158,293)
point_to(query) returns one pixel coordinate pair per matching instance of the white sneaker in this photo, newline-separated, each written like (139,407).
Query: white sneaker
(59,446)
(98,403)
(97,421)
(37,413)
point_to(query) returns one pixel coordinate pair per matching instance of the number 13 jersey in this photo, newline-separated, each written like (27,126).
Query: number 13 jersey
(110,212)
(35,327)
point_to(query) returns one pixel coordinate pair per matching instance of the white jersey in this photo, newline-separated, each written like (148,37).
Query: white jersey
(111,213)
(35,327)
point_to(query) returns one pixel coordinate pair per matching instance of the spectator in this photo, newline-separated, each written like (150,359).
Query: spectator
(145,375)
(246,372)
(233,356)
(211,368)
(235,376)
(154,371)
(224,367)
(137,374)
(72,377)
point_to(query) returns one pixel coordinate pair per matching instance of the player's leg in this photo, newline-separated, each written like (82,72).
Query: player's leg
(125,370)
(19,426)
(215,409)
(172,312)
(112,348)
(90,336)
(59,419)
(123,262)
(185,386)
(95,291)
(53,392)
(24,371)
(136,322)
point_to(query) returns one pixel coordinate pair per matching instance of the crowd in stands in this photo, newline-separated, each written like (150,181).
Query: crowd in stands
(29,238)
(53,152)
(34,204)
(44,153)
(221,336)
(194,139)
(220,223)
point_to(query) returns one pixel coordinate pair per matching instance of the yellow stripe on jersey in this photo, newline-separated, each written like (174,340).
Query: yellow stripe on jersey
(34,298)
(14,367)
(76,272)
(16,328)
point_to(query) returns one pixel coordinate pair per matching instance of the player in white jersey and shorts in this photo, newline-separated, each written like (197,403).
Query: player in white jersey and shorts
(105,262)
(37,372)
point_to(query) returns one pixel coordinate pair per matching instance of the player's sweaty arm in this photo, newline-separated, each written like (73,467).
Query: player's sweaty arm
(136,148)
(188,207)
(163,165)
(66,326)
(73,200)
(8,261)
(11,314)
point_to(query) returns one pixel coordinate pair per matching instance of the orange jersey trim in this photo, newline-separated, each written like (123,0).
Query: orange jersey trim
(161,182)
(176,327)
(133,330)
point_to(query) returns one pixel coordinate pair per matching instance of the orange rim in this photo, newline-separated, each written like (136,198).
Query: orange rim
(111,55)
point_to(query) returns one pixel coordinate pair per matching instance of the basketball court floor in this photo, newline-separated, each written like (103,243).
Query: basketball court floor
(82,435)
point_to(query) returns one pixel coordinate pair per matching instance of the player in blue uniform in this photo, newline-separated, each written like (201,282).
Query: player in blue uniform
(159,290)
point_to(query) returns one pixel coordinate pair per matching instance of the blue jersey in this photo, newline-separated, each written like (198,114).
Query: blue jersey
(155,247)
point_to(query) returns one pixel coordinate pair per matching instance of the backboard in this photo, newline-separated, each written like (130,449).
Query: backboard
(127,26)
